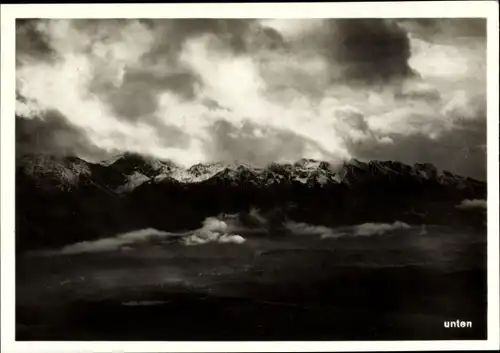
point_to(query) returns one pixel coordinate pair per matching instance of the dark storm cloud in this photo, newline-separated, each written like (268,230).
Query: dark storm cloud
(366,50)
(136,97)
(371,48)
(53,135)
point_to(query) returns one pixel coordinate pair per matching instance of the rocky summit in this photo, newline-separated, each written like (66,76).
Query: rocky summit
(66,199)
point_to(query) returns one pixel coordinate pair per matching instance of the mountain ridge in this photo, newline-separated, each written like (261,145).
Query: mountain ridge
(66,199)
(140,169)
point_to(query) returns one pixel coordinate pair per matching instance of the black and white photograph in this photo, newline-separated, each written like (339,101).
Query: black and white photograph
(251,179)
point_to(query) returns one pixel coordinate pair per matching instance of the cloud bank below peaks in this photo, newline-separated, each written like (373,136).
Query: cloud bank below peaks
(473,204)
(203,90)
(361,230)
(213,230)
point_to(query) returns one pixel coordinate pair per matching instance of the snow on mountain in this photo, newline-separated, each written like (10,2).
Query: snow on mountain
(133,181)
(131,171)
(65,167)
(64,172)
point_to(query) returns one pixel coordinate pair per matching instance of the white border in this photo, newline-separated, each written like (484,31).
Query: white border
(403,9)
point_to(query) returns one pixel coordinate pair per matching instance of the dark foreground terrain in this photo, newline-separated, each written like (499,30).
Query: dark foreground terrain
(394,286)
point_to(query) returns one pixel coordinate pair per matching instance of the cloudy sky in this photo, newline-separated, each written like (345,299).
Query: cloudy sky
(255,91)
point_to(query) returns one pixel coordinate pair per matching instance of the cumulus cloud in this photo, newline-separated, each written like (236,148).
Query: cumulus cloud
(473,204)
(214,225)
(213,230)
(199,90)
(205,237)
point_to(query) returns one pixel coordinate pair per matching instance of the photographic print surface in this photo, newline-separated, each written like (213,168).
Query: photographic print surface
(250,179)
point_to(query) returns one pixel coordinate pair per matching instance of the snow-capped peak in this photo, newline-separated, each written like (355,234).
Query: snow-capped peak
(129,171)
(307,164)
(67,170)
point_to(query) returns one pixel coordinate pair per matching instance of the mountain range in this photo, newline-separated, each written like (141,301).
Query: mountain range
(62,199)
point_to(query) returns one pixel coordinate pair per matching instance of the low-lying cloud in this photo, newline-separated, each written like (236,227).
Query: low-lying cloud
(365,229)
(472,204)
(122,241)
(379,228)
(308,229)
(212,230)
(224,229)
